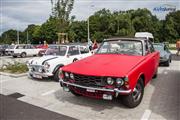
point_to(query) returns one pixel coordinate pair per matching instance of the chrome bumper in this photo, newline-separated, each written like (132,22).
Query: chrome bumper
(46,75)
(99,89)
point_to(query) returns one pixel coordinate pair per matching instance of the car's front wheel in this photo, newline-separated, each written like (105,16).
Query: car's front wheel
(134,99)
(167,63)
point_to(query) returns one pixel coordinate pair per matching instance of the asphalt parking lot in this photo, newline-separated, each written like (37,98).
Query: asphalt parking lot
(161,98)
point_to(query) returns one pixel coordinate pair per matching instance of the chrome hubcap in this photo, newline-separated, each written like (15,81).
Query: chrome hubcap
(137,93)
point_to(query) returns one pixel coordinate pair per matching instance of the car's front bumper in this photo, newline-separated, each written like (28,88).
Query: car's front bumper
(39,75)
(163,60)
(114,91)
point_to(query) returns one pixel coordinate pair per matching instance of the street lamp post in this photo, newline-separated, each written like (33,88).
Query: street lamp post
(17,36)
(88,31)
(88,26)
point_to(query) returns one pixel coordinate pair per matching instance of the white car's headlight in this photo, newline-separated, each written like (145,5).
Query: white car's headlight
(46,65)
(110,81)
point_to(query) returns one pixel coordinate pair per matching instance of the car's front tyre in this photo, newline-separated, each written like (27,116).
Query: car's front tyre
(134,99)
(167,63)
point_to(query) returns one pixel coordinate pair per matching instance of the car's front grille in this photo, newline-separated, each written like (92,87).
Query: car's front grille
(90,81)
(35,68)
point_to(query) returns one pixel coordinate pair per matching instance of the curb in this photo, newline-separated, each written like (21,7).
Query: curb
(13,75)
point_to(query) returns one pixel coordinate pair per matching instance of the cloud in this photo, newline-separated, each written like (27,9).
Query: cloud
(18,14)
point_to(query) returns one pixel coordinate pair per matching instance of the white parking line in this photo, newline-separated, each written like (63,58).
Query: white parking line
(47,93)
(146,115)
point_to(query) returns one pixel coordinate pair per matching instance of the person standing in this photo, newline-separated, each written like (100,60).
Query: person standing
(95,45)
(178,47)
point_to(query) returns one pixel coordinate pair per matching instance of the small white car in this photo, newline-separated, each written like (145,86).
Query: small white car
(22,50)
(55,57)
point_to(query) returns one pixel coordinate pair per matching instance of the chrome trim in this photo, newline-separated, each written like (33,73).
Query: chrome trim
(100,89)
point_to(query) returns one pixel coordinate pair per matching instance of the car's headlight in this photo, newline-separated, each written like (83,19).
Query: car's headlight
(46,65)
(72,76)
(110,81)
(119,82)
(66,75)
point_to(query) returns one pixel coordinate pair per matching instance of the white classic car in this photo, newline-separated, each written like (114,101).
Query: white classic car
(22,50)
(55,57)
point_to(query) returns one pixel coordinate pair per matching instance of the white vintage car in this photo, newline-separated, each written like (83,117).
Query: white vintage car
(22,50)
(55,57)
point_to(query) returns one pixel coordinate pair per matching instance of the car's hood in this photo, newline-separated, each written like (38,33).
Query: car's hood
(104,65)
(41,60)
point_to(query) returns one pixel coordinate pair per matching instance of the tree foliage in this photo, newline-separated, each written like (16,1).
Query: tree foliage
(103,24)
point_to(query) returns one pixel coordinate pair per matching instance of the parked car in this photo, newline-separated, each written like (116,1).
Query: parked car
(22,50)
(121,66)
(146,35)
(3,49)
(9,50)
(54,58)
(165,54)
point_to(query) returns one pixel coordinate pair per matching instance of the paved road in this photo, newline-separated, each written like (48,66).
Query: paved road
(12,109)
(161,98)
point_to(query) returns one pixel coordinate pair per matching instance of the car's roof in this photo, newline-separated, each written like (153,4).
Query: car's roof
(69,44)
(158,44)
(119,38)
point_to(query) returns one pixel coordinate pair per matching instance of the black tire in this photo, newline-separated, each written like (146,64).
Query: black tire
(134,99)
(14,56)
(75,59)
(167,63)
(155,74)
(74,93)
(56,76)
(23,55)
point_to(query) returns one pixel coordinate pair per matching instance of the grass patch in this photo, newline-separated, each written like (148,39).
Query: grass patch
(16,68)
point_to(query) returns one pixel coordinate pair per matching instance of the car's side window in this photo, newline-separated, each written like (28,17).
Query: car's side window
(73,50)
(150,45)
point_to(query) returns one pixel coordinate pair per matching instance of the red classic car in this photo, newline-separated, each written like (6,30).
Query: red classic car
(120,67)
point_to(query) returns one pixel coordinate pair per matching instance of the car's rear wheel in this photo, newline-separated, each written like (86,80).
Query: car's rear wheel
(23,54)
(134,99)
(75,59)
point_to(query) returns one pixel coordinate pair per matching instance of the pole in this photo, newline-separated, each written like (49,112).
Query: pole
(17,36)
(27,37)
(88,31)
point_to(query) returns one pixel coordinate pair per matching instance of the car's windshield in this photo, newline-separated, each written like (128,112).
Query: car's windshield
(56,50)
(11,47)
(129,47)
(158,47)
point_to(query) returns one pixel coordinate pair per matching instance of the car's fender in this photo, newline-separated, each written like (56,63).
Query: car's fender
(57,67)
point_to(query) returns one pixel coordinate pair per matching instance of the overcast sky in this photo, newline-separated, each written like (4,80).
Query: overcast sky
(17,14)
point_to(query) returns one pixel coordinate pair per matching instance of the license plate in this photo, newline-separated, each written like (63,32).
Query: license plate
(90,90)
(107,97)
(37,76)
